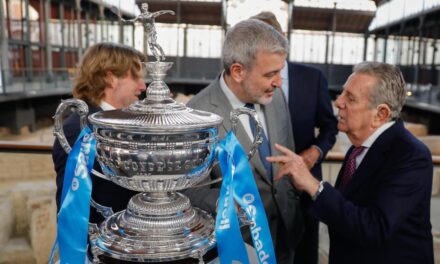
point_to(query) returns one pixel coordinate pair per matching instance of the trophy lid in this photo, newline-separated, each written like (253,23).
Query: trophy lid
(157,112)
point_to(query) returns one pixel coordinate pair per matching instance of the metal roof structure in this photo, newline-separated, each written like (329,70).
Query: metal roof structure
(321,19)
(188,12)
(425,23)
(306,18)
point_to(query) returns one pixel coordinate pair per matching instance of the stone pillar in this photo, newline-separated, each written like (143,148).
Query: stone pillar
(7,219)
(42,223)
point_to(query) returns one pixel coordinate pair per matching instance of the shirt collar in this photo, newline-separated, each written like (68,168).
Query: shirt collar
(370,140)
(233,99)
(106,106)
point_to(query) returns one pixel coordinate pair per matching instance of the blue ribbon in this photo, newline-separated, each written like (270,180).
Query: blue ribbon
(73,217)
(239,185)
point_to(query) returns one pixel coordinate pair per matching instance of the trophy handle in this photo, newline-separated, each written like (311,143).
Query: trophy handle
(258,139)
(105,211)
(80,108)
(243,218)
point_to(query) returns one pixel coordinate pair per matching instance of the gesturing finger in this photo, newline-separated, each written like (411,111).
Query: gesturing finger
(284,150)
(278,159)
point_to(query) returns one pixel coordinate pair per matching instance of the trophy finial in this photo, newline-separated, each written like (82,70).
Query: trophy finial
(148,20)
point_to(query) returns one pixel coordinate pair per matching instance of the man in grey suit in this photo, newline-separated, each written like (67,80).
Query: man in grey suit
(253,55)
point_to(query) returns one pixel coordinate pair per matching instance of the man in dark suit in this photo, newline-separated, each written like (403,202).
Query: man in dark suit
(109,76)
(379,209)
(253,56)
(310,107)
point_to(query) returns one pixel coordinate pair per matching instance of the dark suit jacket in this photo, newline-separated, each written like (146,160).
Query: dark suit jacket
(383,215)
(103,192)
(280,199)
(310,107)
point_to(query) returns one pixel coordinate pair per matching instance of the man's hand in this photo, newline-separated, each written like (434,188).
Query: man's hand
(293,166)
(310,156)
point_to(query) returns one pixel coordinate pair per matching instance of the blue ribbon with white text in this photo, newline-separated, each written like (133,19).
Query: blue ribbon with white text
(73,217)
(239,185)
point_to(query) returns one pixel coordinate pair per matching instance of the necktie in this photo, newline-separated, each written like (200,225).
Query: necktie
(264,148)
(350,166)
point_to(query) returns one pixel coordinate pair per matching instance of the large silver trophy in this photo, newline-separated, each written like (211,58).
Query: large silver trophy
(157,147)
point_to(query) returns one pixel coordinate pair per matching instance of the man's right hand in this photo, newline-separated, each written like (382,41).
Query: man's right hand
(294,167)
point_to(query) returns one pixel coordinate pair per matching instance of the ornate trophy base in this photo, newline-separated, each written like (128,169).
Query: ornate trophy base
(155,227)
(209,258)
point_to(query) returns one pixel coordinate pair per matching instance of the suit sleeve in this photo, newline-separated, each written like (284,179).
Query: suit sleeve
(71,130)
(402,189)
(325,119)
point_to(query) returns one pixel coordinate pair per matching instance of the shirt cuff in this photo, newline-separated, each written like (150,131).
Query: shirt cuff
(321,154)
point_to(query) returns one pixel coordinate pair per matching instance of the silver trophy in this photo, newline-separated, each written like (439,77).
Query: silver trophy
(157,147)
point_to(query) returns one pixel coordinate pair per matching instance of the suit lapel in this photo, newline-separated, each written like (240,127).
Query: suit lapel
(369,164)
(272,125)
(221,104)
(374,158)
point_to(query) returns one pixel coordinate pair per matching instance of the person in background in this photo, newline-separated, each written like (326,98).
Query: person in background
(306,92)
(109,76)
(379,209)
(253,56)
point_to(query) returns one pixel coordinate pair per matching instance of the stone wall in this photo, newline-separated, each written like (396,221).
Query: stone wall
(27,207)
(17,167)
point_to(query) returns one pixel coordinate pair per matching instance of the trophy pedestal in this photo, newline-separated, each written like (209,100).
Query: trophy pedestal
(158,227)
(211,257)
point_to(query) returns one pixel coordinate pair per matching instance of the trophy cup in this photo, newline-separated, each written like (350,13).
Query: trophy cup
(157,147)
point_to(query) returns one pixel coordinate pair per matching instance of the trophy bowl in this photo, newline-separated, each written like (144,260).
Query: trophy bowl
(170,158)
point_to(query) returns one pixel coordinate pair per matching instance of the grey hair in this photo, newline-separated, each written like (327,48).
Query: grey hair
(390,88)
(246,39)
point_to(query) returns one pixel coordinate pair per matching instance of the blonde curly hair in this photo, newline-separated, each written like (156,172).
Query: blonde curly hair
(98,62)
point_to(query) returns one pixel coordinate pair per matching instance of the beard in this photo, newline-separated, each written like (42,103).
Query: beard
(263,98)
